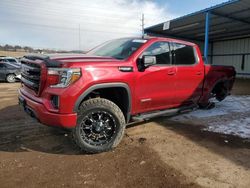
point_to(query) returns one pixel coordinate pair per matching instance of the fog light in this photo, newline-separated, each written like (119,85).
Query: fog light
(55,101)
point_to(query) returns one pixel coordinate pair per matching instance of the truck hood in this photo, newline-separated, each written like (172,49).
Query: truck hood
(78,57)
(56,60)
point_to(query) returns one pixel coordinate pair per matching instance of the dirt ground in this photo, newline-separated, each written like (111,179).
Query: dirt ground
(158,153)
(12,54)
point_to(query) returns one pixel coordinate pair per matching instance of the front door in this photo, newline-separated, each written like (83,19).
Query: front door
(155,86)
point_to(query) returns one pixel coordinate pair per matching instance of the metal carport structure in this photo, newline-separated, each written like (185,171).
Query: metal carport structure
(229,21)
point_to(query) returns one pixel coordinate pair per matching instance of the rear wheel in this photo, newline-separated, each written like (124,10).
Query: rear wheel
(221,91)
(100,126)
(10,78)
(222,94)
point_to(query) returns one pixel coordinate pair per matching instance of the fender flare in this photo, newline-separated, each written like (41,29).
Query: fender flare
(103,86)
(206,95)
(221,80)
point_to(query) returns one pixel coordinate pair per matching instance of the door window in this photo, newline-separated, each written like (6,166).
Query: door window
(161,51)
(12,60)
(184,54)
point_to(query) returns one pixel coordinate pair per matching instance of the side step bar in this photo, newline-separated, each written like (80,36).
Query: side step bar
(168,112)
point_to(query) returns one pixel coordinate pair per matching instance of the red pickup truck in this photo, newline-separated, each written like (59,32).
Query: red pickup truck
(124,80)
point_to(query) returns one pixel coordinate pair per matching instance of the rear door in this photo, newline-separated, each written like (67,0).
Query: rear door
(189,74)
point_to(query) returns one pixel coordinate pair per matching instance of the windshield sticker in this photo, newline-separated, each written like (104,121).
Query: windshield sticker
(139,40)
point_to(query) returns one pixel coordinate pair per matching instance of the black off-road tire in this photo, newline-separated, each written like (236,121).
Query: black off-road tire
(93,106)
(222,93)
(11,78)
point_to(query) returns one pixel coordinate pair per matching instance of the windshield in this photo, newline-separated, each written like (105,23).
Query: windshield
(12,60)
(119,49)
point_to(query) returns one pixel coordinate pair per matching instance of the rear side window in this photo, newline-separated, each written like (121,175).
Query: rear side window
(12,60)
(161,51)
(184,54)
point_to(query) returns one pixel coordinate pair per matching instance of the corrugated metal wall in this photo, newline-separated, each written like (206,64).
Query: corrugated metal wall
(230,53)
(235,53)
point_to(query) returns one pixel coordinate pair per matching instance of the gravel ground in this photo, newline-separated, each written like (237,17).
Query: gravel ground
(160,153)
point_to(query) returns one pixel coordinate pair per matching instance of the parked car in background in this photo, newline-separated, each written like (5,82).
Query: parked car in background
(9,72)
(10,60)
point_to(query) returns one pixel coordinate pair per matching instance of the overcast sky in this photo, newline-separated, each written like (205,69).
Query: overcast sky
(61,24)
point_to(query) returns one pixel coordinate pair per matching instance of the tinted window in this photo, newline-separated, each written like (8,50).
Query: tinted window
(12,60)
(161,51)
(184,55)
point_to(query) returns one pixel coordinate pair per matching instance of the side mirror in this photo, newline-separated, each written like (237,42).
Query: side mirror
(148,61)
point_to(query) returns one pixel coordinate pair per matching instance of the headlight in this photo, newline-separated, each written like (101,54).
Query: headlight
(65,76)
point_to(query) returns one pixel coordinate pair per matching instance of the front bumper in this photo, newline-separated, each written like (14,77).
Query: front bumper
(38,111)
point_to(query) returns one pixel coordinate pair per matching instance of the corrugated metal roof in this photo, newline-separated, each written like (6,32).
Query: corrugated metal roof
(229,20)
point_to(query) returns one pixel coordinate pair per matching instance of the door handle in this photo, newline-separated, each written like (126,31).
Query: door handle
(171,72)
(198,73)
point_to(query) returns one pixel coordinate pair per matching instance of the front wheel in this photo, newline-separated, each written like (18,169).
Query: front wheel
(10,78)
(100,126)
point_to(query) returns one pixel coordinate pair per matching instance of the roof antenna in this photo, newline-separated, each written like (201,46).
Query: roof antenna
(142,25)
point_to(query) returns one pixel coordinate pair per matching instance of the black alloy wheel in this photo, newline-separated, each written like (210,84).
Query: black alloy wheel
(100,126)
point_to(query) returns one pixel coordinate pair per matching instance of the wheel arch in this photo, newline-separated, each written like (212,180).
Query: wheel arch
(95,87)
(207,95)
(223,81)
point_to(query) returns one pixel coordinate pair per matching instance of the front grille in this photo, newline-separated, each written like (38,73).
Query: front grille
(31,73)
